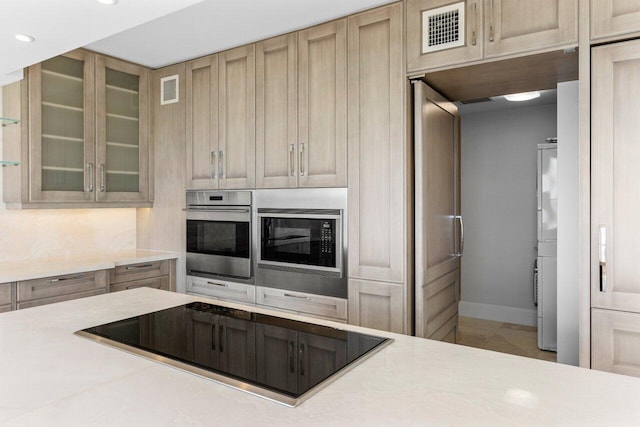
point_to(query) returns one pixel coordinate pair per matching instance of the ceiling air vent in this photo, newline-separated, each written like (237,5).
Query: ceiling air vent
(169,90)
(443,27)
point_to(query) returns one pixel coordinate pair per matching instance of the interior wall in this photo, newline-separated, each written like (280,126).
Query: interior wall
(498,203)
(568,232)
(37,234)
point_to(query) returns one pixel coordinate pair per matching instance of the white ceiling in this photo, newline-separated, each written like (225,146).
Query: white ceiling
(216,25)
(63,25)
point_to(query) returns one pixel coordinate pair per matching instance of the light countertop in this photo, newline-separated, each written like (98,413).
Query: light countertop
(37,268)
(52,377)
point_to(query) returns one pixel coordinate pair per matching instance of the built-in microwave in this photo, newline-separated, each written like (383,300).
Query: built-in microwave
(300,240)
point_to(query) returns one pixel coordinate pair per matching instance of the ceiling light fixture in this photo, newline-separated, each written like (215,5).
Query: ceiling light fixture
(524,96)
(108,2)
(25,38)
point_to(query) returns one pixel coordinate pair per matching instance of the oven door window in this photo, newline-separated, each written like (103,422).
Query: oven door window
(224,238)
(299,241)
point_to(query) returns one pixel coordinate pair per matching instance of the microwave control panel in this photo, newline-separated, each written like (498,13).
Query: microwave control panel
(326,238)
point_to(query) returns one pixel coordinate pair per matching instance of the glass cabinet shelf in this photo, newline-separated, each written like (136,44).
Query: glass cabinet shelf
(6,121)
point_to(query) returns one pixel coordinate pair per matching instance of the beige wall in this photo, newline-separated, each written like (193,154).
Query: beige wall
(51,233)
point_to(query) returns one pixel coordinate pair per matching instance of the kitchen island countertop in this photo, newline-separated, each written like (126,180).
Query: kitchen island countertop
(51,377)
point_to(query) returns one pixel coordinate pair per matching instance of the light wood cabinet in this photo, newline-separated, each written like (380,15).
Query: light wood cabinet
(439,34)
(221,289)
(32,293)
(6,297)
(236,131)
(322,105)
(276,112)
(303,303)
(376,305)
(611,18)
(615,342)
(615,189)
(377,146)
(202,122)
(155,274)
(83,140)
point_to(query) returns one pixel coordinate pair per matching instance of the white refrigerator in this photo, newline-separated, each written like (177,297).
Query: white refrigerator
(545,292)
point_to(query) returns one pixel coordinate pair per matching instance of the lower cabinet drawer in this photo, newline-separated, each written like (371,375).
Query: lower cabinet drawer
(5,308)
(220,289)
(52,287)
(156,282)
(318,305)
(45,301)
(5,293)
(144,270)
(615,341)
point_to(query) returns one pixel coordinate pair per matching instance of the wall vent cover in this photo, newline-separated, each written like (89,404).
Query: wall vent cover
(443,27)
(169,90)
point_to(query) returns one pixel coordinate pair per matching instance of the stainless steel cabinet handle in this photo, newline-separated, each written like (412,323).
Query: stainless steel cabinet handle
(301,356)
(535,284)
(491,29)
(297,296)
(302,159)
(222,285)
(292,351)
(475,24)
(292,156)
(61,279)
(137,267)
(461,251)
(102,184)
(91,177)
(602,258)
(212,164)
(221,165)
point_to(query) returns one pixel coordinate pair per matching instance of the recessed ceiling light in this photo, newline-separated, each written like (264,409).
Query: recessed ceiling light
(25,38)
(524,96)
(109,2)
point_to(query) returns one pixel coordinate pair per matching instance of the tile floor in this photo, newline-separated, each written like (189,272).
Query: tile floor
(502,337)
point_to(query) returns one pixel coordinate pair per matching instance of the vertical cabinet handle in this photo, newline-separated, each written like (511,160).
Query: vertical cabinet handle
(220,165)
(491,26)
(102,184)
(461,251)
(301,359)
(91,177)
(292,351)
(302,159)
(475,24)
(220,334)
(292,156)
(602,257)
(213,337)
(212,164)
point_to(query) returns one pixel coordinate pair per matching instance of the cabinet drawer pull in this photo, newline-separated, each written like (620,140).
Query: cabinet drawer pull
(91,177)
(475,19)
(212,166)
(102,178)
(221,335)
(301,159)
(60,279)
(301,359)
(292,156)
(137,267)
(222,285)
(292,363)
(491,29)
(221,164)
(297,296)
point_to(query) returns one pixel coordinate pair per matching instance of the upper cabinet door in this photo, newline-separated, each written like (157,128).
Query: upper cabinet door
(377,146)
(614,17)
(322,106)
(62,132)
(276,112)
(513,26)
(202,123)
(236,154)
(122,131)
(615,177)
(443,32)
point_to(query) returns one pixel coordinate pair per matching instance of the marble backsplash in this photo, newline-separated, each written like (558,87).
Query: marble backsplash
(37,234)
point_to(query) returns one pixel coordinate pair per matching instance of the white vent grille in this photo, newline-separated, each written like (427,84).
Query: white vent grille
(169,90)
(443,27)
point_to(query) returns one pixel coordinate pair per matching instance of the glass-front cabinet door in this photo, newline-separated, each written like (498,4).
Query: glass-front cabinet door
(62,140)
(122,131)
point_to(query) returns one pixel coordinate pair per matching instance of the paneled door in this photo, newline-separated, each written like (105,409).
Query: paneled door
(276,112)
(236,154)
(614,18)
(122,131)
(615,177)
(322,106)
(437,249)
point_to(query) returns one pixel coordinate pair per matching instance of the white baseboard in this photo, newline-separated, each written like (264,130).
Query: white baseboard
(498,313)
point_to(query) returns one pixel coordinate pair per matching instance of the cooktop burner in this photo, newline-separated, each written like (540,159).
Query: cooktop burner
(280,359)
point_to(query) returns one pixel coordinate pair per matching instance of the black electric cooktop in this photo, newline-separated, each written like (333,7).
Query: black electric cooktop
(281,359)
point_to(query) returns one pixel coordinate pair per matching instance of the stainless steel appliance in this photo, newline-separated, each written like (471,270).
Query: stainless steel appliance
(219,234)
(301,240)
(276,358)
